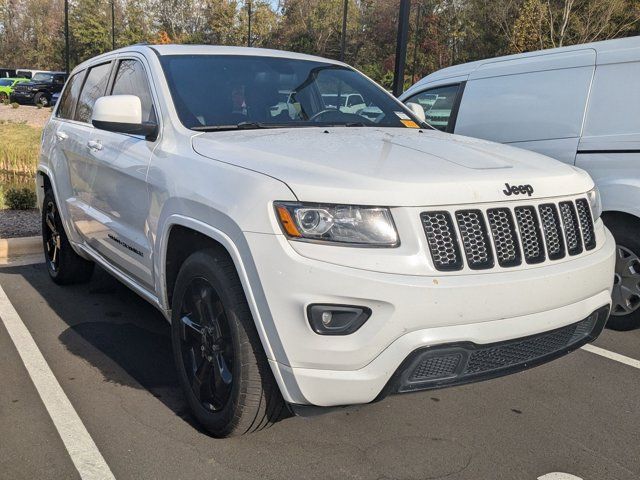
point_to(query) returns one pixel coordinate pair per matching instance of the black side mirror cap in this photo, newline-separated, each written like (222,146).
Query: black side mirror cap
(147,129)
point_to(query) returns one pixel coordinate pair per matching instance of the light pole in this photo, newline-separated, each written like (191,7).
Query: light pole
(415,43)
(343,40)
(66,36)
(113,24)
(249,22)
(401,46)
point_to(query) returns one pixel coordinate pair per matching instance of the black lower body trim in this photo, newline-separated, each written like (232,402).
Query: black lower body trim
(465,362)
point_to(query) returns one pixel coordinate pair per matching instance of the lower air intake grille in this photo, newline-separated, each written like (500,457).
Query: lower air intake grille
(442,239)
(571,231)
(474,239)
(464,362)
(552,231)
(530,234)
(586,222)
(437,367)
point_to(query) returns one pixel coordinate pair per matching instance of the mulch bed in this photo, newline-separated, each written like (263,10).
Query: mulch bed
(19,223)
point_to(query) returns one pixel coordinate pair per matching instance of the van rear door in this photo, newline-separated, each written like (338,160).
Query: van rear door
(534,102)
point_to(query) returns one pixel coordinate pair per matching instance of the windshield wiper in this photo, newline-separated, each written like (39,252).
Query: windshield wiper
(238,126)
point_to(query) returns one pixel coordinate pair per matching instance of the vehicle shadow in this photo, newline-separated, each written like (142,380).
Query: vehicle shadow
(116,331)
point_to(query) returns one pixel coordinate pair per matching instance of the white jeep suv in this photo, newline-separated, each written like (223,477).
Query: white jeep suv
(312,257)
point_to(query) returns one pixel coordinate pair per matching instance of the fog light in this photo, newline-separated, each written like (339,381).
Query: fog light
(336,319)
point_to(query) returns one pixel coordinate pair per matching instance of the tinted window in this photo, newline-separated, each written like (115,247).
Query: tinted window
(437,104)
(94,87)
(43,77)
(222,91)
(131,79)
(70,96)
(6,83)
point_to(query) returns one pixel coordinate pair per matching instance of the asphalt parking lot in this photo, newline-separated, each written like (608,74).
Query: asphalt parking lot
(110,353)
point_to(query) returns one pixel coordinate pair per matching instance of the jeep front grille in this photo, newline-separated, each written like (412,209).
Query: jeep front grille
(570,221)
(504,236)
(588,233)
(508,235)
(530,234)
(442,239)
(552,231)
(474,239)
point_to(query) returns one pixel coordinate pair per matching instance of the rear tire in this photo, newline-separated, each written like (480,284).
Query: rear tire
(64,265)
(625,311)
(222,367)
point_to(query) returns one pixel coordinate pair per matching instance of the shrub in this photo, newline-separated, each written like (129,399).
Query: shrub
(6,101)
(20,198)
(39,106)
(15,105)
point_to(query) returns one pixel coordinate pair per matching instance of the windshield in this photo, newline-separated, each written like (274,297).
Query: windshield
(5,83)
(42,77)
(214,92)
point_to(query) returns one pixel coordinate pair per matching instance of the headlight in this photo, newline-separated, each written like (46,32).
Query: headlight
(339,224)
(595,202)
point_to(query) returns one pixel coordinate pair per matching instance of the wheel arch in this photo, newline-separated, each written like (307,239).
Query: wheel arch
(177,228)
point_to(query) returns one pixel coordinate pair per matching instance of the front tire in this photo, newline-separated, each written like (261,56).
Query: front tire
(221,365)
(64,265)
(625,312)
(41,99)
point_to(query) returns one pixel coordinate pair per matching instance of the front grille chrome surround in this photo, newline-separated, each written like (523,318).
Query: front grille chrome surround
(481,239)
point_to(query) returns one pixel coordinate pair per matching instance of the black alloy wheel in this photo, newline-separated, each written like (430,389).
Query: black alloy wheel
(64,265)
(51,235)
(221,364)
(205,345)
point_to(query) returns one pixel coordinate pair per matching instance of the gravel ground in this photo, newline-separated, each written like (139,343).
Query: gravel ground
(19,223)
(29,114)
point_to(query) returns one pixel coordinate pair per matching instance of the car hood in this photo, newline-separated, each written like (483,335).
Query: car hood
(391,166)
(32,84)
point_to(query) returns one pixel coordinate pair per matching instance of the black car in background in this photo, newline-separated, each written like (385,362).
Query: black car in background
(40,89)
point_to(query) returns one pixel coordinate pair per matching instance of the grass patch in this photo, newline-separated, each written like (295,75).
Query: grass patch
(19,152)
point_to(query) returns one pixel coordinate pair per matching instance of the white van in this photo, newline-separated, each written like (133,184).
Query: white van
(578,104)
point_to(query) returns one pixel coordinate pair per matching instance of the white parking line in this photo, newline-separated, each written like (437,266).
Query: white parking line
(83,451)
(612,355)
(559,476)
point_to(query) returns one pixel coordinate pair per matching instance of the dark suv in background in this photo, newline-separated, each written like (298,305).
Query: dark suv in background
(40,89)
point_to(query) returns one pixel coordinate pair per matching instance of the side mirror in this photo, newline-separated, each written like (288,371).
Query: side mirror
(417,110)
(122,114)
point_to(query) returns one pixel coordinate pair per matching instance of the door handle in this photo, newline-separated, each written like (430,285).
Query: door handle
(94,145)
(62,136)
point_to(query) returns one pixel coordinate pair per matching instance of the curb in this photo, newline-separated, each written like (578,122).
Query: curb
(15,247)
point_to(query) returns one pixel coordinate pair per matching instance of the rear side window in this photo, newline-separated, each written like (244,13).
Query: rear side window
(70,96)
(525,107)
(94,87)
(614,105)
(131,79)
(437,104)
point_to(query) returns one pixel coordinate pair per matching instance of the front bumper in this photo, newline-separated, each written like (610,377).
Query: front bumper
(410,313)
(21,97)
